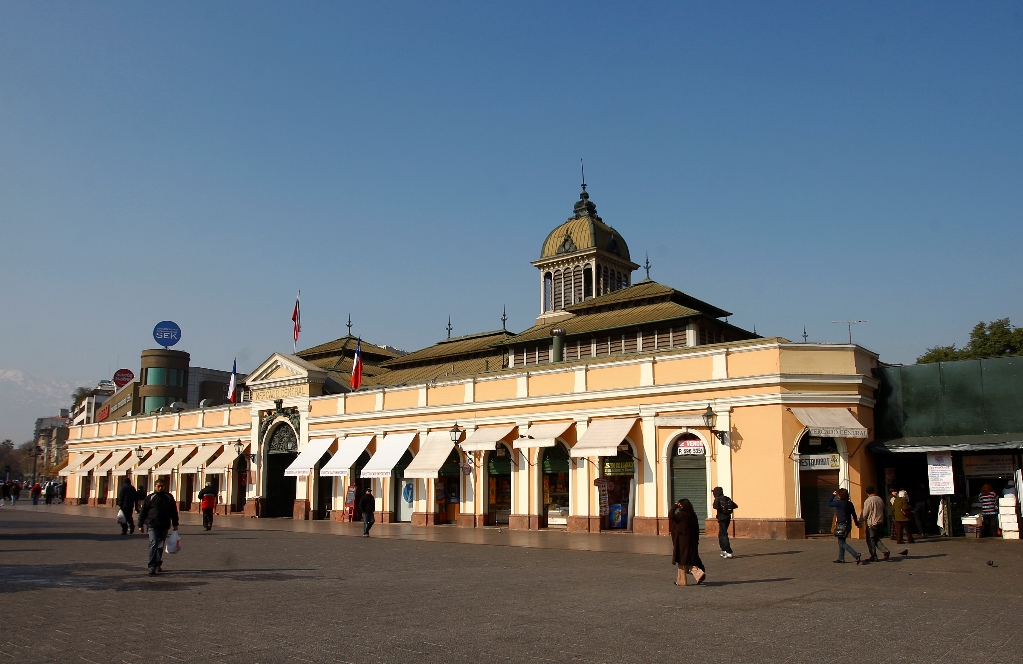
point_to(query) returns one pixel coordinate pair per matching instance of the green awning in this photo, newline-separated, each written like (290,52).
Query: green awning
(976,443)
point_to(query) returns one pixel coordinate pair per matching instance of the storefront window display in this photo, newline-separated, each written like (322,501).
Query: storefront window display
(819,464)
(620,473)
(499,485)
(555,488)
(447,490)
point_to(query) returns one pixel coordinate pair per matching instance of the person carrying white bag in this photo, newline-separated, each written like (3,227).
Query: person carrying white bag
(159,514)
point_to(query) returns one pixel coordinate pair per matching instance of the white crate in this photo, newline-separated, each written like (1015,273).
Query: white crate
(1008,522)
(1006,509)
(1010,534)
(969,520)
(1007,501)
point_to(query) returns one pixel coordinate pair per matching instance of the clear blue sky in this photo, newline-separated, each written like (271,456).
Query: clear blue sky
(792,163)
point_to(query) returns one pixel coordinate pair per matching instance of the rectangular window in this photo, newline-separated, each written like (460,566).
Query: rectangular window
(150,404)
(156,376)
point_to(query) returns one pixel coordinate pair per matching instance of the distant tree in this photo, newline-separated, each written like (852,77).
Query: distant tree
(13,458)
(80,394)
(995,339)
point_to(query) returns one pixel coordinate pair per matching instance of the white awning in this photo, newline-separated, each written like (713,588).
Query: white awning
(175,459)
(303,464)
(348,452)
(224,461)
(542,435)
(200,459)
(96,460)
(127,464)
(603,437)
(486,439)
(74,461)
(156,457)
(830,422)
(115,459)
(389,451)
(433,452)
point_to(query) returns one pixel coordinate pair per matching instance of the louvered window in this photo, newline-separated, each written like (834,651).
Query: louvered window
(630,343)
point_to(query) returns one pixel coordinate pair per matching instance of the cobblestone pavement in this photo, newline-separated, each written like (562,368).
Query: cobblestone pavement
(73,589)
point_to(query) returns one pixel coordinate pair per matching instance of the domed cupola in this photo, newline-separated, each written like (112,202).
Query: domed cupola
(580,259)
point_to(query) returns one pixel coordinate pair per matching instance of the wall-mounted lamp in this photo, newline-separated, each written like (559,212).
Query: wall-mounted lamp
(708,419)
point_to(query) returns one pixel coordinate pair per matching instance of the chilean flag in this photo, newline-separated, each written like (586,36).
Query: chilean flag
(232,387)
(296,317)
(356,380)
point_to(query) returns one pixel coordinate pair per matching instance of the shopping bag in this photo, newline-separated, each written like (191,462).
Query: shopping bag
(121,518)
(173,542)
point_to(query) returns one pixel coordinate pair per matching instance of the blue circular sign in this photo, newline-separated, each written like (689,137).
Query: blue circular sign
(167,333)
(406,492)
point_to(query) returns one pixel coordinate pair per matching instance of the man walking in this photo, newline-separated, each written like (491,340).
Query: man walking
(724,506)
(127,497)
(49,492)
(873,518)
(208,503)
(159,513)
(367,505)
(902,513)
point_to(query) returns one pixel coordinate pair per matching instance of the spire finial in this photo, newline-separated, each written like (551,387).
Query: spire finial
(349,325)
(647,266)
(449,328)
(754,328)
(804,334)
(504,318)
(582,169)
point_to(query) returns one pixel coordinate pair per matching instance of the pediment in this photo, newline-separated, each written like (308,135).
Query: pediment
(280,368)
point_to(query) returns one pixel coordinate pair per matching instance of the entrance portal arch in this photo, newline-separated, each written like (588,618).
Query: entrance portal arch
(281,447)
(688,470)
(555,485)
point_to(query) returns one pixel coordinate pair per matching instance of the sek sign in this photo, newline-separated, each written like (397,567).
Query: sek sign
(167,333)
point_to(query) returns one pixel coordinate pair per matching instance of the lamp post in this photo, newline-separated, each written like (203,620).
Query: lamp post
(708,419)
(36,451)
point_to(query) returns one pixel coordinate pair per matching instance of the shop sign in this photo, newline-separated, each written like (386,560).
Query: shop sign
(167,333)
(601,484)
(122,377)
(690,448)
(103,413)
(619,468)
(991,465)
(939,474)
(819,462)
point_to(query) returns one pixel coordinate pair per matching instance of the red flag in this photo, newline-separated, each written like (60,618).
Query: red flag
(296,317)
(356,380)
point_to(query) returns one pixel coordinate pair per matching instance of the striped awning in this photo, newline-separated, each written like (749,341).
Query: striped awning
(603,437)
(303,464)
(96,460)
(830,422)
(389,451)
(200,459)
(542,435)
(115,459)
(485,439)
(175,460)
(348,452)
(433,452)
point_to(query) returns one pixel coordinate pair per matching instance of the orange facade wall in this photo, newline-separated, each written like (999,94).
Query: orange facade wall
(493,390)
(761,468)
(753,363)
(165,423)
(823,361)
(107,429)
(240,416)
(360,403)
(612,378)
(557,383)
(124,427)
(321,407)
(401,399)
(684,370)
(445,395)
(188,421)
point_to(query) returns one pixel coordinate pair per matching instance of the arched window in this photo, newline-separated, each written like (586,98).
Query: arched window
(547,294)
(577,284)
(587,282)
(558,290)
(606,284)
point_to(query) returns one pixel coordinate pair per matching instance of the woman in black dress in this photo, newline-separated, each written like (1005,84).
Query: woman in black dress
(684,528)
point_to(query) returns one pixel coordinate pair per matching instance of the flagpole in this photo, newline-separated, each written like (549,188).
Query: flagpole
(298,310)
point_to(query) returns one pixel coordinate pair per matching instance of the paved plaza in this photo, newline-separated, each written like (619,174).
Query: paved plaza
(254,591)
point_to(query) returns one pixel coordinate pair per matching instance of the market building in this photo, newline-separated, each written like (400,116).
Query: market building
(623,398)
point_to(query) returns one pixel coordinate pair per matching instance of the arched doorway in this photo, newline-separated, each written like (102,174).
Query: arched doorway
(498,485)
(689,473)
(281,450)
(404,490)
(819,466)
(554,486)
(448,488)
(241,479)
(324,490)
(620,471)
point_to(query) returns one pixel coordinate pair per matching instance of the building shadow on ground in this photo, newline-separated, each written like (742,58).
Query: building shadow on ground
(773,553)
(745,581)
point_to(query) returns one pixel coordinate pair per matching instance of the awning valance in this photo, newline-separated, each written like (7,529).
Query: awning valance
(224,461)
(830,422)
(153,459)
(74,461)
(603,437)
(975,443)
(174,460)
(389,451)
(200,459)
(348,452)
(113,461)
(126,465)
(433,452)
(302,466)
(485,439)
(95,461)
(542,435)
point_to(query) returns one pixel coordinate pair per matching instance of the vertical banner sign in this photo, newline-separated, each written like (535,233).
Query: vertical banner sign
(939,474)
(601,484)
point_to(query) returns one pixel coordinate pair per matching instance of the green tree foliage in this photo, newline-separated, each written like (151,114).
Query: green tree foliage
(80,394)
(995,339)
(15,458)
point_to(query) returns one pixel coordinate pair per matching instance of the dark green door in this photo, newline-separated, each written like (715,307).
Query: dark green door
(689,480)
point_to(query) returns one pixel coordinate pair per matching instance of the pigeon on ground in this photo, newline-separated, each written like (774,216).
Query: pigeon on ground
(904,552)
(990,563)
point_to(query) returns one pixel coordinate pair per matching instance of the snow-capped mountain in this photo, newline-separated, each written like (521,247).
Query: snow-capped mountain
(25,397)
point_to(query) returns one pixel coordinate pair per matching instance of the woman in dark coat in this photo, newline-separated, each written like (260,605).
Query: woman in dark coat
(684,528)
